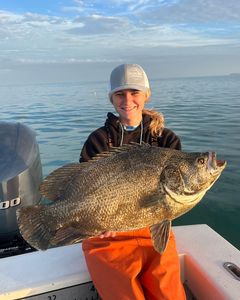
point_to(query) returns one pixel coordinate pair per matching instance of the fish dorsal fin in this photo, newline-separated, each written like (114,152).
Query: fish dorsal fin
(115,150)
(54,185)
(160,235)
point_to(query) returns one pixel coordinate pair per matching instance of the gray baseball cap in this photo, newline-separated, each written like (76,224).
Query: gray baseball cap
(128,76)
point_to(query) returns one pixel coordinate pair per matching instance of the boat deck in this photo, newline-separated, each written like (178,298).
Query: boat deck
(61,273)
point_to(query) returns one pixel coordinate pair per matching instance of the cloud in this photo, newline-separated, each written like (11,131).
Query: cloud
(163,11)
(97,24)
(115,31)
(67,61)
(37,37)
(199,11)
(155,29)
(115,7)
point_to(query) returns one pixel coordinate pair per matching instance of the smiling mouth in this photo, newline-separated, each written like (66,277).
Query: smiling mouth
(128,108)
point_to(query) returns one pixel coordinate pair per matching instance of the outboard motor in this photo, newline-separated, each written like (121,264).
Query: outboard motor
(20,177)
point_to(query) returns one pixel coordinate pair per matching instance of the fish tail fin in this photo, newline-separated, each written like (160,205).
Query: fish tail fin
(34,226)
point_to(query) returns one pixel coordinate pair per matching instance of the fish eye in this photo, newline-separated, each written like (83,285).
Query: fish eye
(201,161)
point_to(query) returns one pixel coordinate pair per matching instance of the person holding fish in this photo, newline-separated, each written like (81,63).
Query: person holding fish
(125,265)
(120,200)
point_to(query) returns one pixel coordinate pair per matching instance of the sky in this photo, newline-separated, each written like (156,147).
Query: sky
(74,40)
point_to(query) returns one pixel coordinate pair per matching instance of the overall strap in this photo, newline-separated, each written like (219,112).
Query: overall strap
(109,138)
(154,141)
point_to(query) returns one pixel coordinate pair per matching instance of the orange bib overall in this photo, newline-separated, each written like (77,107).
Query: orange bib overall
(127,267)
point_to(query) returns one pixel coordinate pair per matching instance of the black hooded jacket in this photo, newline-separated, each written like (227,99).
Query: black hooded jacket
(113,134)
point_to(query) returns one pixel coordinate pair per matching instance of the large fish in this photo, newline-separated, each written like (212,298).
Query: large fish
(125,189)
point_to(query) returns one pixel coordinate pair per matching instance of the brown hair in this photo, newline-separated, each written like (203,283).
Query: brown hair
(157,123)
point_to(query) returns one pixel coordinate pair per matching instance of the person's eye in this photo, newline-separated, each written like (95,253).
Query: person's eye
(118,94)
(135,93)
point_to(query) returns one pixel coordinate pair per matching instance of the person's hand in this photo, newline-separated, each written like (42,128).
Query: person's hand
(107,234)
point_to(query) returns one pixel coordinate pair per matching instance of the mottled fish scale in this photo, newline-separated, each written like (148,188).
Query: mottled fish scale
(128,188)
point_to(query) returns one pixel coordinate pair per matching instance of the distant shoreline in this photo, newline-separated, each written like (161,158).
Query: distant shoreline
(234,74)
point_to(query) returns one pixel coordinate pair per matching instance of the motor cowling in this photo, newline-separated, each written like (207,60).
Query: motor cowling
(20,175)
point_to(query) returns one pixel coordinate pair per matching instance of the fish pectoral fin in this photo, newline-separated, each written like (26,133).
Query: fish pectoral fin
(67,236)
(152,200)
(160,235)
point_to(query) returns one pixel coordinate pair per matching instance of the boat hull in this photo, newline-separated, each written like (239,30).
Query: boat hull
(61,273)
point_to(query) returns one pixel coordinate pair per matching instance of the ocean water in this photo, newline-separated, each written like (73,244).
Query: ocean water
(204,112)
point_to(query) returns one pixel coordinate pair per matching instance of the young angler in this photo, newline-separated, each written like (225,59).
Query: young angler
(124,265)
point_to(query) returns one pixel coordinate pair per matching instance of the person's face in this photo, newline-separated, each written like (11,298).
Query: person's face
(129,105)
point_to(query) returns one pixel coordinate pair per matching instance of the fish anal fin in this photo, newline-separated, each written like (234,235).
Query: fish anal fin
(67,236)
(160,235)
(54,185)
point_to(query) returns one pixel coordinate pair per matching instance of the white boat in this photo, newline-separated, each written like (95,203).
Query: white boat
(209,269)
(209,264)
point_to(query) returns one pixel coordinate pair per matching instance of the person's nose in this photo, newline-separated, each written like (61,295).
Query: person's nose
(128,98)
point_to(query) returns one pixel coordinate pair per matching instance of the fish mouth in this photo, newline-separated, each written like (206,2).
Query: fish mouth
(215,166)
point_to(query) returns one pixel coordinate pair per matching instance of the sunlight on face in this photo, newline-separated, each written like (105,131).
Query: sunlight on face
(129,105)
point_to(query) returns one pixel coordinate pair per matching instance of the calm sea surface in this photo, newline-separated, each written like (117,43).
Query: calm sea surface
(204,112)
